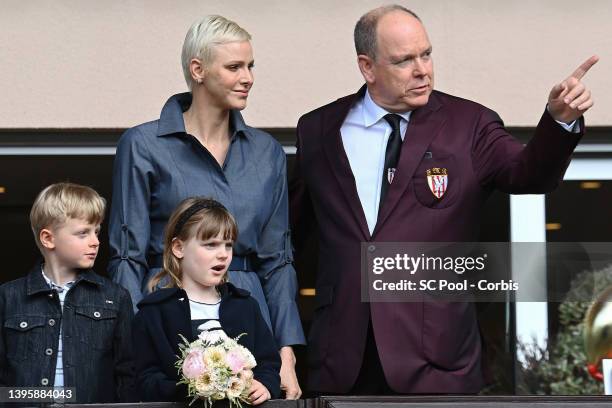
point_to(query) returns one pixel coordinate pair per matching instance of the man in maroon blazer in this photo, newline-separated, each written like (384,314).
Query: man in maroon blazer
(347,185)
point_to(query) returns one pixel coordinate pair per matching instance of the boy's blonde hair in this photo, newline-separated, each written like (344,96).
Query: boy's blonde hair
(61,201)
(198,217)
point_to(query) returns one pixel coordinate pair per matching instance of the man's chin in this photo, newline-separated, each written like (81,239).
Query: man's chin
(413,103)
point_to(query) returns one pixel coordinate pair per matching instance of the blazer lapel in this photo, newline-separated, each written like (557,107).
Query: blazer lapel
(425,124)
(338,160)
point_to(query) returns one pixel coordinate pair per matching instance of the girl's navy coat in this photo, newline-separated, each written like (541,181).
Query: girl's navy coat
(165,314)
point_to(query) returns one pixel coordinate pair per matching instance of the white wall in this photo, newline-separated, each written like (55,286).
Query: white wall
(113,63)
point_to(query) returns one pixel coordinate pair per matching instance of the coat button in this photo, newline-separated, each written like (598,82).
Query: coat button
(44,381)
(97,315)
(23,325)
(49,351)
(371,248)
(51,322)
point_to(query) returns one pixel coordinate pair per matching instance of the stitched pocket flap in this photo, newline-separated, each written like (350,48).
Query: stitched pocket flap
(96,313)
(24,323)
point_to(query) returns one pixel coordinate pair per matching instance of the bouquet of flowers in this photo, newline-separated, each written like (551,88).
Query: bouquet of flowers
(216,367)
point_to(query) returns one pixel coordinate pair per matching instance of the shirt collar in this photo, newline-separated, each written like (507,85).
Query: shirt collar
(36,282)
(373,113)
(171,117)
(58,288)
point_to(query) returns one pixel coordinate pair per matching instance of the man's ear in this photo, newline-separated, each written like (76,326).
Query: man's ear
(46,238)
(177,248)
(366,66)
(196,68)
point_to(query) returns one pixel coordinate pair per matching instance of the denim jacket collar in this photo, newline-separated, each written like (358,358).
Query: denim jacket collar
(171,117)
(36,282)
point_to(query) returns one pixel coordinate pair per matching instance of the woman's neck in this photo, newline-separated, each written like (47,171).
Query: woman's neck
(206,121)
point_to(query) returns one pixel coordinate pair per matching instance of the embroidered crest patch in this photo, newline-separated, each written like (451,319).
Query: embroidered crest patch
(437,180)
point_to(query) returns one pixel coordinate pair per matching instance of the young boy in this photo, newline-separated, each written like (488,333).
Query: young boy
(63,325)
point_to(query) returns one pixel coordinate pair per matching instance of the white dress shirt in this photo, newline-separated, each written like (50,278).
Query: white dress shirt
(365,133)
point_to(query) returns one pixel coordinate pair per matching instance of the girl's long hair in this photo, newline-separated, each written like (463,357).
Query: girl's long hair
(208,221)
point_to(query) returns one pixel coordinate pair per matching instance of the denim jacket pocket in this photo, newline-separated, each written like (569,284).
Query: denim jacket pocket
(95,326)
(22,333)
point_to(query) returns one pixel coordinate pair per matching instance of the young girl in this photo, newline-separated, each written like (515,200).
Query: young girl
(197,253)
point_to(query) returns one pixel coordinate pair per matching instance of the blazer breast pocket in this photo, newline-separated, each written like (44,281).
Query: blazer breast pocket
(437,182)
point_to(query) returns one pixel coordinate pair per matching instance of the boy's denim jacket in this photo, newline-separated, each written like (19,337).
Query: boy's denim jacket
(96,336)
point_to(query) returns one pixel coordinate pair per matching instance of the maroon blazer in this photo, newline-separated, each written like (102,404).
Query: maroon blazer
(423,347)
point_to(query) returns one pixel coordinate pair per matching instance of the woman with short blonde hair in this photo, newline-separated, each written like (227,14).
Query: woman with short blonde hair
(201,146)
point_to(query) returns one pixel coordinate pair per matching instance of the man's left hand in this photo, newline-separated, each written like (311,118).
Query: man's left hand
(289,382)
(569,99)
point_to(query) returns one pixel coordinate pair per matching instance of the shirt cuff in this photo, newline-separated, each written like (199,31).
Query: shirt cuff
(573,127)
(286,324)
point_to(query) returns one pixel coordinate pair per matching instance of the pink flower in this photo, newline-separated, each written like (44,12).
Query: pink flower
(235,360)
(194,366)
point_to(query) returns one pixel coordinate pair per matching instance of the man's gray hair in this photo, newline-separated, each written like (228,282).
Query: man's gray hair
(203,36)
(365,29)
